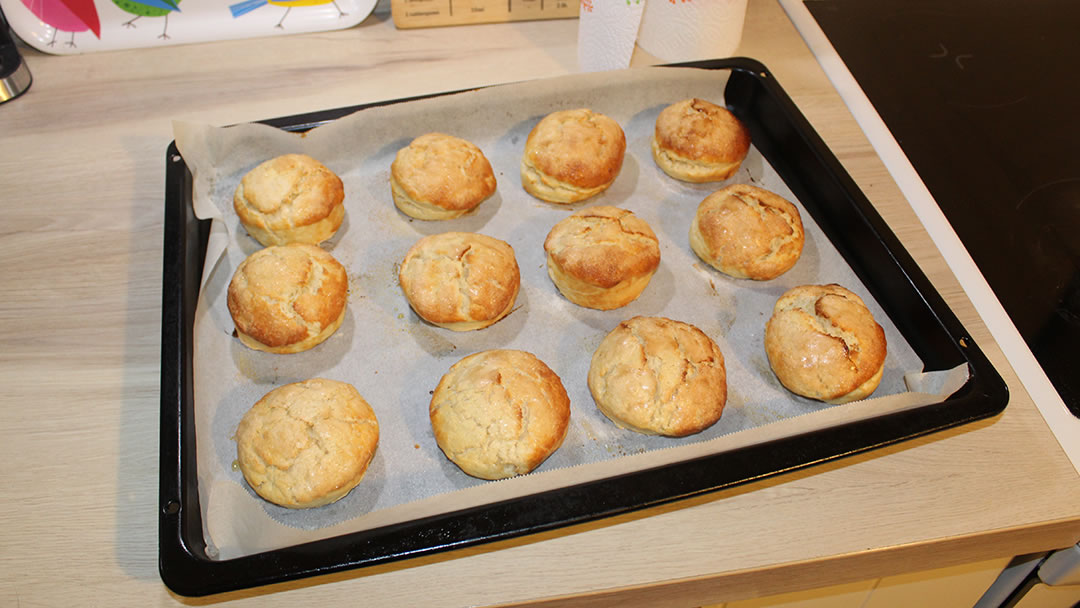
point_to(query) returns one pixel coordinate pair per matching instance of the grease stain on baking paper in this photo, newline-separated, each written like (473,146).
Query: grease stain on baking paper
(618,451)
(612,447)
(245,367)
(758,415)
(588,430)
(356,283)
(763,369)
(431,341)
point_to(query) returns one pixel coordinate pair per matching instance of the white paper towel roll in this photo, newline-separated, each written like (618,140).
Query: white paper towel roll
(607,31)
(686,30)
(670,30)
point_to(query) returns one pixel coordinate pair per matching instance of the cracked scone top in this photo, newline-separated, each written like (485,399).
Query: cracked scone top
(572,155)
(602,257)
(747,232)
(287,298)
(307,444)
(440,177)
(460,280)
(823,343)
(499,413)
(699,141)
(659,377)
(292,198)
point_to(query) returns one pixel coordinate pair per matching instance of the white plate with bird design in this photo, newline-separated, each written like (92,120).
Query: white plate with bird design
(66,27)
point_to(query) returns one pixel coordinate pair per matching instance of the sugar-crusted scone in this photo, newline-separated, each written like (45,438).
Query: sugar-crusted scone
(440,177)
(572,155)
(823,343)
(659,377)
(460,280)
(699,141)
(499,413)
(288,298)
(601,257)
(307,444)
(747,232)
(292,198)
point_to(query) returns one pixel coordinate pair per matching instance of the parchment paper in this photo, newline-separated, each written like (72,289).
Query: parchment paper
(395,359)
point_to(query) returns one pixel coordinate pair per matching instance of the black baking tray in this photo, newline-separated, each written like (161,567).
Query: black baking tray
(819,182)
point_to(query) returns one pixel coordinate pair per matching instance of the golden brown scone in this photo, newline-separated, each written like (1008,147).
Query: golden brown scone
(440,177)
(307,444)
(601,257)
(572,155)
(460,280)
(823,343)
(290,199)
(288,298)
(659,377)
(499,413)
(699,141)
(747,232)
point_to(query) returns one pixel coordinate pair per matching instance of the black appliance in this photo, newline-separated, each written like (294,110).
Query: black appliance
(982,97)
(14,75)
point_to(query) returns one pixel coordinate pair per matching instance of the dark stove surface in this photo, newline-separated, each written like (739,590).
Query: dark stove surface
(983,96)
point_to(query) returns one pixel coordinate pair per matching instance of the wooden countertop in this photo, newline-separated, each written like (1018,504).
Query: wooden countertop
(81,184)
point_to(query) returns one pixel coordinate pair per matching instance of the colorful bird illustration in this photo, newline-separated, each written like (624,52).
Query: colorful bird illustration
(149,8)
(66,15)
(246,6)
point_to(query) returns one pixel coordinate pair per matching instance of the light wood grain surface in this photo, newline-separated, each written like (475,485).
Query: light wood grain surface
(82,186)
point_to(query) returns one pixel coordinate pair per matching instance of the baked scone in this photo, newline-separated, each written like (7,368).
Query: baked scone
(307,444)
(601,257)
(699,141)
(499,413)
(460,280)
(292,198)
(440,177)
(659,377)
(288,298)
(572,155)
(823,343)
(747,232)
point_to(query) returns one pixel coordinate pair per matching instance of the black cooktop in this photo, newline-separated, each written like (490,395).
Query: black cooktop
(983,96)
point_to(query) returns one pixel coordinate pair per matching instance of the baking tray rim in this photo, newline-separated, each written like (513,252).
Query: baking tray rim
(186,569)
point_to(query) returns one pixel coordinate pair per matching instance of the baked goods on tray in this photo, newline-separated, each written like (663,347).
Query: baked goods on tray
(601,257)
(572,155)
(698,141)
(747,232)
(659,377)
(499,413)
(460,280)
(287,298)
(291,198)
(440,177)
(307,444)
(502,412)
(823,343)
